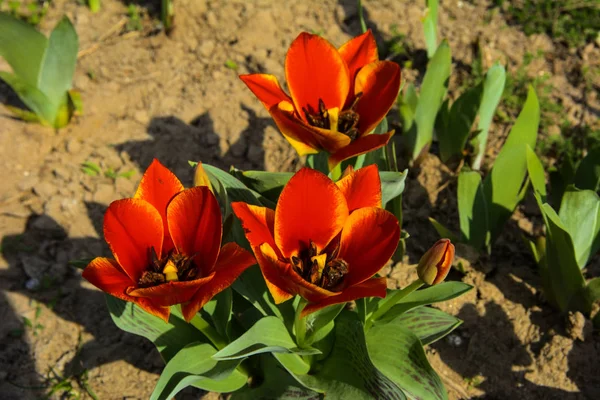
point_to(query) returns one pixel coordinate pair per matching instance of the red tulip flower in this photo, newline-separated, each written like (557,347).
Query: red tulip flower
(337,96)
(324,241)
(166,243)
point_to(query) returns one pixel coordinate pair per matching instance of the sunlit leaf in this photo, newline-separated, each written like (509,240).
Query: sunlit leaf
(429,324)
(472,209)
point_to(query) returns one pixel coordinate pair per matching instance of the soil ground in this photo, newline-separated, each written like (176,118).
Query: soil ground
(171,97)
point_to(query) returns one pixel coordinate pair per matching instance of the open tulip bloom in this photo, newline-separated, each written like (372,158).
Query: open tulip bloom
(325,241)
(166,243)
(337,96)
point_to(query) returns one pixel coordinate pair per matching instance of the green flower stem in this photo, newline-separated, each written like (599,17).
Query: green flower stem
(300,323)
(386,304)
(336,172)
(207,330)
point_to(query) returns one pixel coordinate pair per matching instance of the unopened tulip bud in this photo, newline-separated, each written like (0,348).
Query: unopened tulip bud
(201,178)
(435,264)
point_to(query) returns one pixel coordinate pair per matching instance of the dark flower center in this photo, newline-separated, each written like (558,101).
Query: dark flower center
(325,270)
(172,267)
(347,120)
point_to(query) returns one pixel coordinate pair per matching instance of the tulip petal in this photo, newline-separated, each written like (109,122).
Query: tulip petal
(362,188)
(282,281)
(357,53)
(379,83)
(315,71)
(362,145)
(170,293)
(131,228)
(157,187)
(258,223)
(304,138)
(310,207)
(195,225)
(375,287)
(266,88)
(106,275)
(369,239)
(233,260)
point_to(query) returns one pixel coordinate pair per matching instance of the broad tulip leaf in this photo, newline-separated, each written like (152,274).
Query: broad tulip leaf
(58,66)
(194,366)
(493,87)
(433,294)
(536,173)
(31,97)
(564,274)
(503,186)
(236,190)
(268,335)
(168,338)
(219,308)
(444,232)
(392,185)
(398,353)
(268,184)
(580,215)
(588,172)
(433,91)
(472,209)
(407,106)
(348,372)
(23,48)
(429,324)
(453,138)
(319,320)
(430,27)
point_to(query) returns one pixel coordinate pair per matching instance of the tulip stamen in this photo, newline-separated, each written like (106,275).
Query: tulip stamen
(324,270)
(172,267)
(346,121)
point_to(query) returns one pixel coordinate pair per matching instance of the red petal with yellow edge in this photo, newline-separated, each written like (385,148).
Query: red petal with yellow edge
(170,293)
(157,187)
(310,207)
(283,282)
(375,287)
(362,188)
(379,83)
(233,260)
(258,223)
(131,228)
(266,88)
(362,145)
(107,276)
(357,53)
(315,70)
(368,241)
(195,225)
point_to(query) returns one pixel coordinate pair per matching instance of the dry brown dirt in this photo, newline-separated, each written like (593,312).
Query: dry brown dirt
(147,95)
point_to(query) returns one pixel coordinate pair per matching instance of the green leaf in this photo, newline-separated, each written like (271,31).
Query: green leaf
(430,27)
(319,320)
(472,209)
(398,353)
(193,365)
(31,97)
(592,290)
(453,138)
(236,190)
(268,184)
(268,335)
(379,156)
(168,338)
(407,106)
(502,187)
(392,185)
(433,294)
(433,91)
(348,372)
(22,47)
(564,276)
(536,173)
(58,65)
(580,215)
(429,324)
(493,87)
(444,232)
(588,172)
(219,308)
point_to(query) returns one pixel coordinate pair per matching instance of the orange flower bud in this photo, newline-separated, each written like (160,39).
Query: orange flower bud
(435,264)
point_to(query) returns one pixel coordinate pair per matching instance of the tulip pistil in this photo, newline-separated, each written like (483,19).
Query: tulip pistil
(172,267)
(345,122)
(324,270)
